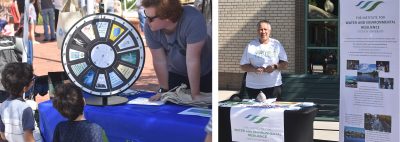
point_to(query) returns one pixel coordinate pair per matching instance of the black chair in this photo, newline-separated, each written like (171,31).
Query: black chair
(243,93)
(238,97)
(10,51)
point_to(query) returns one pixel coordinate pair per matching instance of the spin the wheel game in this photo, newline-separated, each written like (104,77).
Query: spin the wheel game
(103,54)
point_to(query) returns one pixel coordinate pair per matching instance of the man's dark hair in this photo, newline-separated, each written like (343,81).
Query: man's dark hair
(15,77)
(165,9)
(68,100)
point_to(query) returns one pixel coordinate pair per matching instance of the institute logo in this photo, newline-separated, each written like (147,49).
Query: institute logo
(368,5)
(255,119)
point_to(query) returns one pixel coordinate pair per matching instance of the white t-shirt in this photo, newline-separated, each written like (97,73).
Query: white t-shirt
(58,4)
(263,55)
(32,14)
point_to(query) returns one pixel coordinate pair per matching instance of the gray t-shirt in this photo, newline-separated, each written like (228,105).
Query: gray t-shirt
(191,28)
(74,131)
(16,117)
(46,4)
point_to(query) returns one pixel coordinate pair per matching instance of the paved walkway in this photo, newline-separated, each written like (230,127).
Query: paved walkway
(47,58)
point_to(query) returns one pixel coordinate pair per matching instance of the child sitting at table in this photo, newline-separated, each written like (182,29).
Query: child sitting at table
(17,123)
(69,101)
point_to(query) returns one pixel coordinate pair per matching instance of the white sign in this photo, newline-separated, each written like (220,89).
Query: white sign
(145,101)
(257,124)
(369,70)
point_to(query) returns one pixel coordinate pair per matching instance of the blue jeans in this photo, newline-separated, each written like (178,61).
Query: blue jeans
(29,52)
(142,19)
(3,23)
(48,18)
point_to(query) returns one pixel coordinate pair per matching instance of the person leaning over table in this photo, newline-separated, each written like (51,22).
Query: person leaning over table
(181,49)
(263,59)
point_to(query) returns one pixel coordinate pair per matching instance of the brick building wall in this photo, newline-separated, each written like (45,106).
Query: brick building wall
(237,27)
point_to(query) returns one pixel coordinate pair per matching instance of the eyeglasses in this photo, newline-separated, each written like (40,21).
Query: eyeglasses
(34,78)
(151,19)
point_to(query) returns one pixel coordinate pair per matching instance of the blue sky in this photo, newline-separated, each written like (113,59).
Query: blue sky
(366,68)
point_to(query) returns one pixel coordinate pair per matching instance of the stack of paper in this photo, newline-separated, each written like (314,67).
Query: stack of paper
(144,101)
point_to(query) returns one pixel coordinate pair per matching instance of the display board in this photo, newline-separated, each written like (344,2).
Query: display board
(103,54)
(369,71)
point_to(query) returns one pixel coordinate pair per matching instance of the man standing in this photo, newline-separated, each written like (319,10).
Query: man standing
(48,19)
(263,59)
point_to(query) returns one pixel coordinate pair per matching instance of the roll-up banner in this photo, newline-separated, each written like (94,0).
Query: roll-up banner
(369,71)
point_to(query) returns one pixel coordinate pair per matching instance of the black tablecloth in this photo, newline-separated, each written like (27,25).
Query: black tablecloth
(298,124)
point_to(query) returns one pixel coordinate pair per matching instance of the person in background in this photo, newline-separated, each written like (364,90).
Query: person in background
(15,14)
(47,12)
(97,6)
(36,4)
(58,5)
(32,21)
(181,49)
(204,6)
(19,32)
(21,10)
(21,7)
(17,122)
(142,17)
(198,4)
(6,18)
(117,8)
(209,131)
(68,100)
(263,59)
(4,13)
(109,6)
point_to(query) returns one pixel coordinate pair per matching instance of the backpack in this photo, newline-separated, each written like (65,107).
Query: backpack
(8,54)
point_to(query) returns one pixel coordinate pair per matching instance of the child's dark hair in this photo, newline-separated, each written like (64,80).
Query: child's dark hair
(68,100)
(15,77)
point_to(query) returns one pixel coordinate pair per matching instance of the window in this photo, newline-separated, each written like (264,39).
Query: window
(322,34)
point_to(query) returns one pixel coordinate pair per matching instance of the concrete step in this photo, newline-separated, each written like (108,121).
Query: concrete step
(326,131)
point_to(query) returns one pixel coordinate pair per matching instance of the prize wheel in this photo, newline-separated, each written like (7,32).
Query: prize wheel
(103,54)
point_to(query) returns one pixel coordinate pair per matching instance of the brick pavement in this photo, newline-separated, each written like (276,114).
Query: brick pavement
(47,58)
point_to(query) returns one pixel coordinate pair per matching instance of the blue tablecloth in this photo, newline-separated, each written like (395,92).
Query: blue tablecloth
(133,123)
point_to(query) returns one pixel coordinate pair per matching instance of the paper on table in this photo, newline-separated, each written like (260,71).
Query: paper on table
(197,111)
(307,104)
(130,91)
(145,101)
